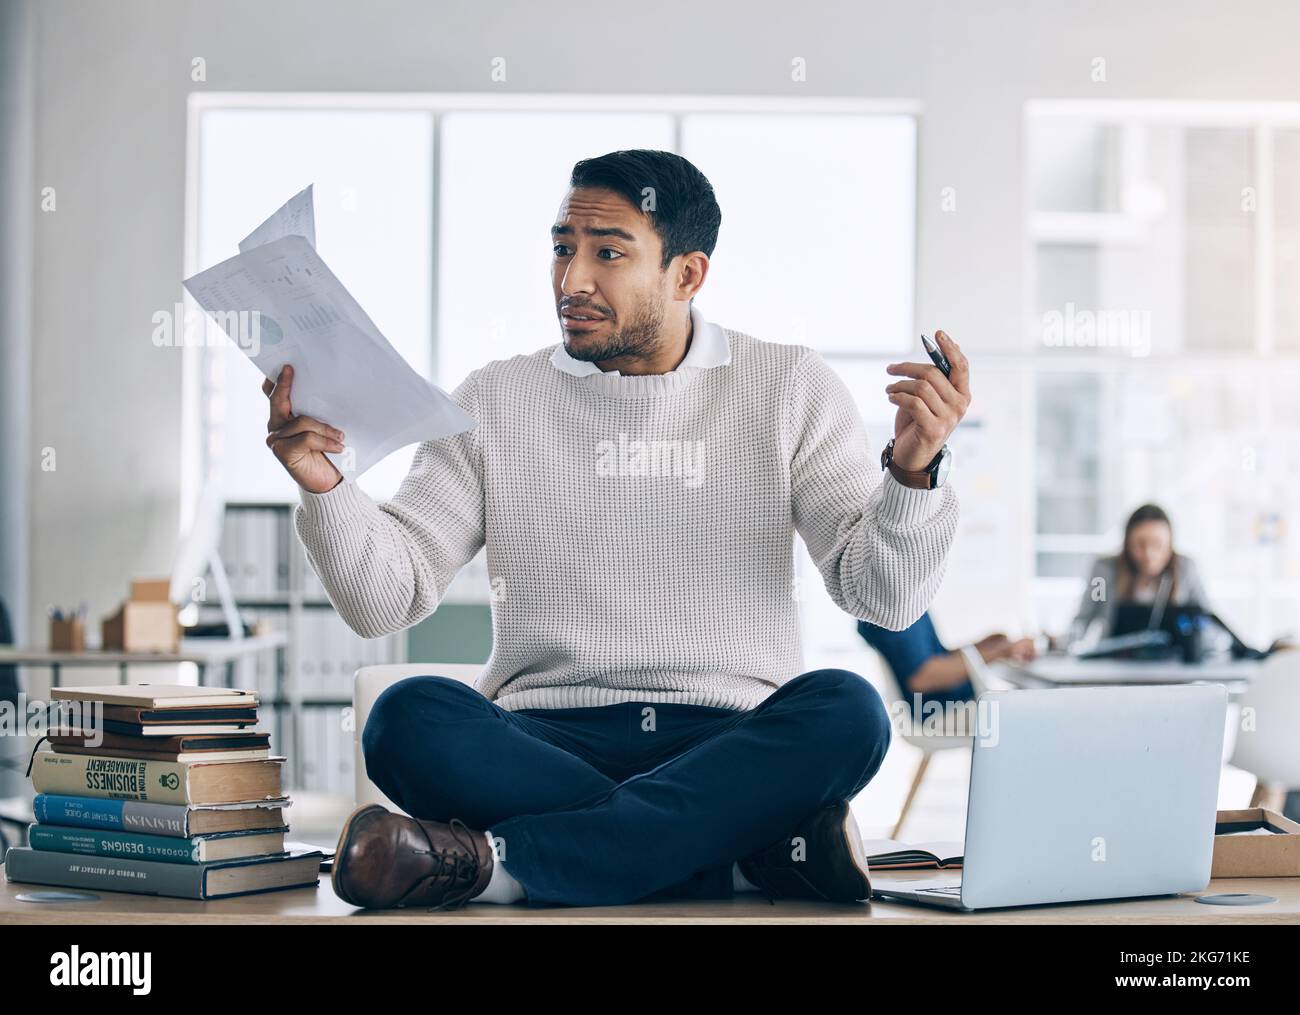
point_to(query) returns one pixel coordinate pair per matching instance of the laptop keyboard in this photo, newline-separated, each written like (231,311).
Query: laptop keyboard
(953,890)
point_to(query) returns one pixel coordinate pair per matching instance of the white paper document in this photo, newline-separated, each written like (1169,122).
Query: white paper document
(280,303)
(296,217)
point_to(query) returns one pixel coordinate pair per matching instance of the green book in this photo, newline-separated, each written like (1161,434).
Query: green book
(156,848)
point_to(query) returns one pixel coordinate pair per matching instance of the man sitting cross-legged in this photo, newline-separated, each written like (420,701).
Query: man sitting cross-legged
(644,727)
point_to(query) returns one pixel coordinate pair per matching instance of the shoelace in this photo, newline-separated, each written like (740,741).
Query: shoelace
(461,867)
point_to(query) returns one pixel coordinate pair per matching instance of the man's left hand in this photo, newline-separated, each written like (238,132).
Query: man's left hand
(930,405)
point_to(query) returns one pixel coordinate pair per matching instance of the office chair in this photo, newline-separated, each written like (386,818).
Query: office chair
(1269,749)
(367,684)
(896,703)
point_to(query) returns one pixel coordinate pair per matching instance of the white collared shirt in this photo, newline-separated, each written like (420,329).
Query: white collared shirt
(709,348)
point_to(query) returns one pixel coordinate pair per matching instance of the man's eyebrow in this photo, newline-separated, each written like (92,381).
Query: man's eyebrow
(622,234)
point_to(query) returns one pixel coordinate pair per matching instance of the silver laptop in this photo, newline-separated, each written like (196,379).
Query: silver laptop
(1085,793)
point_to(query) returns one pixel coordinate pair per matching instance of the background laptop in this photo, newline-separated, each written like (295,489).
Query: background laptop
(1086,793)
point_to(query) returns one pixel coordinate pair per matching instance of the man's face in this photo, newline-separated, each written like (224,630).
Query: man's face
(605,266)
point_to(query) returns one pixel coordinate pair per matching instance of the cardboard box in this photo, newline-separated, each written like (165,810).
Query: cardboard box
(152,590)
(147,622)
(1255,856)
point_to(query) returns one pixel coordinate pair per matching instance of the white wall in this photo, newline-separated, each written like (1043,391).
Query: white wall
(110,103)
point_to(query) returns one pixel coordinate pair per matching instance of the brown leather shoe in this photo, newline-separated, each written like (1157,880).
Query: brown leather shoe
(385,859)
(831,865)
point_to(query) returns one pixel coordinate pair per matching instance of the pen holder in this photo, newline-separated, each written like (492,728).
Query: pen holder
(67,635)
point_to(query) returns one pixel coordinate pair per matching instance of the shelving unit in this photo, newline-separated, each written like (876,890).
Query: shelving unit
(318,645)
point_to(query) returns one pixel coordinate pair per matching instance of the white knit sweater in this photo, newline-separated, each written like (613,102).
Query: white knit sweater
(639,529)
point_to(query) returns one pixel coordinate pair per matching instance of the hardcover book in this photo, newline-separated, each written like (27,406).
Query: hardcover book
(223,878)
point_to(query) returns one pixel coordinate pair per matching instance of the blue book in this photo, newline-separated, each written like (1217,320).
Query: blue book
(175,820)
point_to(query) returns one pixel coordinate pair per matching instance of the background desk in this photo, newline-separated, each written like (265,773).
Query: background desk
(205,653)
(1069,671)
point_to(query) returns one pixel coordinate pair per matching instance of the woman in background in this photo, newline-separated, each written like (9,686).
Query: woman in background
(1147,571)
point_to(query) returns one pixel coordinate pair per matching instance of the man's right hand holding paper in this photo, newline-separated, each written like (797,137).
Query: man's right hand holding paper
(300,442)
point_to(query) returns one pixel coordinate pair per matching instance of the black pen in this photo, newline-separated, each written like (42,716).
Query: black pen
(936,354)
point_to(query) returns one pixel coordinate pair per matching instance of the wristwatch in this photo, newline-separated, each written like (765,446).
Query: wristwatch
(930,478)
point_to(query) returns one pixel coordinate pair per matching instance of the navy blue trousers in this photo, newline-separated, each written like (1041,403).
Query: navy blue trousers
(637,801)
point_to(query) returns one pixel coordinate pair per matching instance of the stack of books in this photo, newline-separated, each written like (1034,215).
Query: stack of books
(173,792)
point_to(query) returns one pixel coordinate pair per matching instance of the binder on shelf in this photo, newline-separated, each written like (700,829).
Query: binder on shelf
(307,757)
(327,652)
(246,521)
(230,552)
(329,761)
(282,537)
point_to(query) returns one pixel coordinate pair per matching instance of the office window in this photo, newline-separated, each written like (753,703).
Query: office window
(817,244)
(1144,236)
(818,227)
(372,172)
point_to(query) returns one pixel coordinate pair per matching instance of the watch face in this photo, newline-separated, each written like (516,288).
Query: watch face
(941,470)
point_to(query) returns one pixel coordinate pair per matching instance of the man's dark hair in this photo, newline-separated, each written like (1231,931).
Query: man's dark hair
(683,211)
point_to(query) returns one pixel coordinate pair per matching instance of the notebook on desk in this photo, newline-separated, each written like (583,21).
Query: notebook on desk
(890,854)
(157,696)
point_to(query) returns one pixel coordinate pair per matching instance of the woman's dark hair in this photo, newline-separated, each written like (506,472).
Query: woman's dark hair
(1128,568)
(676,196)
